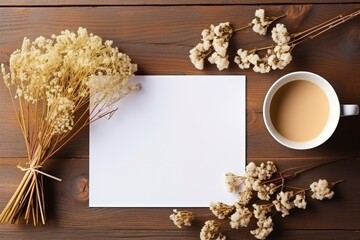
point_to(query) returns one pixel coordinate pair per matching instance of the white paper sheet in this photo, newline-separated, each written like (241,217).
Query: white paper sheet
(170,144)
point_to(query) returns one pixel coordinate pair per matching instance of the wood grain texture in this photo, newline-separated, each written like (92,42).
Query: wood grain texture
(154,39)
(158,39)
(159,2)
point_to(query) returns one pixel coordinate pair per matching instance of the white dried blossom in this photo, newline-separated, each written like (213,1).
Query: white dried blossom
(262,68)
(250,177)
(223,30)
(6,76)
(220,237)
(249,182)
(220,61)
(251,170)
(283,202)
(265,171)
(220,46)
(208,35)
(299,200)
(260,13)
(182,218)
(261,210)
(264,191)
(221,210)
(244,59)
(201,50)
(280,35)
(60,115)
(241,217)
(258,27)
(253,58)
(256,185)
(244,196)
(215,41)
(279,57)
(260,23)
(321,189)
(197,55)
(265,227)
(241,59)
(261,172)
(96,83)
(211,230)
(233,181)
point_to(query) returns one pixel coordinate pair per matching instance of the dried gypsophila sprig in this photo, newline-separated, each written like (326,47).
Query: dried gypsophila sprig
(278,55)
(215,41)
(265,227)
(182,218)
(211,231)
(51,81)
(321,190)
(266,180)
(261,22)
(288,200)
(241,217)
(220,209)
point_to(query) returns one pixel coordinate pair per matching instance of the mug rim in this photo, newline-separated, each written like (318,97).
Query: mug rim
(334,110)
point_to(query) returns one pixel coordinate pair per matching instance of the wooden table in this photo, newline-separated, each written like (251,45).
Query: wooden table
(157,35)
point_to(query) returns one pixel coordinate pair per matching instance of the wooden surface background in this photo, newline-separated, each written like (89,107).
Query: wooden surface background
(157,35)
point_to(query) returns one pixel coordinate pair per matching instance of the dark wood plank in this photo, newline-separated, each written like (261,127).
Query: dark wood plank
(159,2)
(185,234)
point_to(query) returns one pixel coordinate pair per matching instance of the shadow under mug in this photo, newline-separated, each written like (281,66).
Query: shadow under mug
(335,110)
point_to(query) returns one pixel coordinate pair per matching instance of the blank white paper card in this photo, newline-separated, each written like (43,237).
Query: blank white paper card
(170,144)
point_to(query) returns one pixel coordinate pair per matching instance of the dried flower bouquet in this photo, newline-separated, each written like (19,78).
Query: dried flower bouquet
(58,86)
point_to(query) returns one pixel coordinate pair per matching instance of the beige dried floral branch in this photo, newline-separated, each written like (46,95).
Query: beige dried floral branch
(57,87)
(276,56)
(269,20)
(263,192)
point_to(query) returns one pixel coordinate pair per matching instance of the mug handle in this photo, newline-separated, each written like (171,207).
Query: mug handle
(349,110)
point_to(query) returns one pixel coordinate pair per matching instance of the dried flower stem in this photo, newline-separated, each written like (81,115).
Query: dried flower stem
(302,190)
(273,19)
(323,27)
(297,38)
(293,172)
(242,28)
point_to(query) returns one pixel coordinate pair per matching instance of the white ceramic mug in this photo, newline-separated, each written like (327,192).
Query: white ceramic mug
(335,110)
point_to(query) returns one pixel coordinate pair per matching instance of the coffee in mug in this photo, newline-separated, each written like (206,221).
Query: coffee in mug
(301,110)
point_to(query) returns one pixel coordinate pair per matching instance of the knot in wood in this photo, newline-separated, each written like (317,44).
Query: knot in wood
(81,188)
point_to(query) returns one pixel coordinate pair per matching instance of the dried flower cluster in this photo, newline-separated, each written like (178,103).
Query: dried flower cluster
(260,23)
(277,57)
(261,59)
(215,41)
(221,210)
(261,192)
(52,82)
(211,230)
(321,190)
(182,218)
